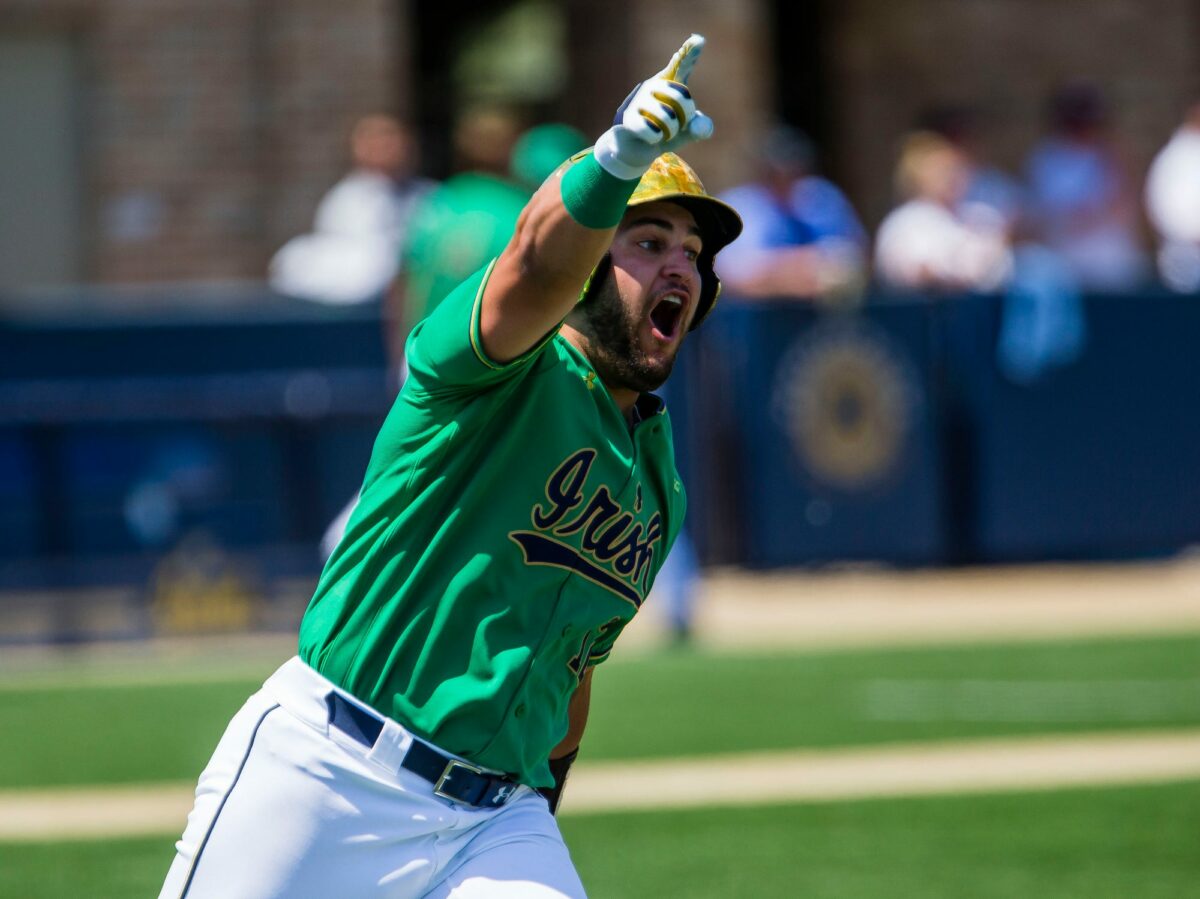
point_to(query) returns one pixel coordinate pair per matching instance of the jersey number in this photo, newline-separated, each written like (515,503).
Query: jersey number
(579,663)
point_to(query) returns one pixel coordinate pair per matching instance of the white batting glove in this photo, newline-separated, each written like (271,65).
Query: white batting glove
(659,117)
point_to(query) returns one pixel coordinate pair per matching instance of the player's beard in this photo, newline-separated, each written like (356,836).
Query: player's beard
(614,347)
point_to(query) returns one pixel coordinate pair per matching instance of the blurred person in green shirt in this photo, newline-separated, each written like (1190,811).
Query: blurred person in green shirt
(470,218)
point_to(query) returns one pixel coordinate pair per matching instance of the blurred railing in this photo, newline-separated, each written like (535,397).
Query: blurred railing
(192,460)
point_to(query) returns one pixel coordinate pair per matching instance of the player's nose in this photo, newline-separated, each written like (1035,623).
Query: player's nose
(680,268)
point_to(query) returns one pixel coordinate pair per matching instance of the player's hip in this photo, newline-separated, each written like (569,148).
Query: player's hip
(295,803)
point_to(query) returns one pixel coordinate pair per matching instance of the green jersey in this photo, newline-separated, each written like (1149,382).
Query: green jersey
(509,526)
(463,223)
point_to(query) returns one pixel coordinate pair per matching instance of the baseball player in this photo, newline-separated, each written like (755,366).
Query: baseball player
(519,502)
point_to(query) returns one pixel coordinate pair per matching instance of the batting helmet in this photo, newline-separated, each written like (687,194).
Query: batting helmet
(671,179)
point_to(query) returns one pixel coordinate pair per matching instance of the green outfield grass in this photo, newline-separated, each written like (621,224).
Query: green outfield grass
(62,732)
(691,703)
(105,869)
(1102,844)
(1093,844)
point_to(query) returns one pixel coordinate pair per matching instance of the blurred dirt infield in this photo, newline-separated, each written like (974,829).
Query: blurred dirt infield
(883,607)
(855,607)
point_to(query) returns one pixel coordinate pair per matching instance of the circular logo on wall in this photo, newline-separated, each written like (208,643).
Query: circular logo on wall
(846,398)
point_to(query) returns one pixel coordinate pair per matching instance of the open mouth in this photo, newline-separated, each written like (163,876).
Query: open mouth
(667,315)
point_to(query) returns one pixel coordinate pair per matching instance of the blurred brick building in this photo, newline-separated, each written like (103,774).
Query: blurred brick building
(152,140)
(201,130)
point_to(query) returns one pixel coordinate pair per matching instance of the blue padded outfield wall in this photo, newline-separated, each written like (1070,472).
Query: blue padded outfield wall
(121,436)
(887,433)
(813,437)
(1096,459)
(890,433)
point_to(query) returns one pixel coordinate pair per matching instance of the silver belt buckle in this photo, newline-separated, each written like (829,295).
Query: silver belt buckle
(448,772)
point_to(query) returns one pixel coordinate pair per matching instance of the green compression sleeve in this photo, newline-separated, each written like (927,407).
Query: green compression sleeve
(593,197)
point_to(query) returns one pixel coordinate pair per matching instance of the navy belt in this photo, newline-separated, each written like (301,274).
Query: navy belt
(452,778)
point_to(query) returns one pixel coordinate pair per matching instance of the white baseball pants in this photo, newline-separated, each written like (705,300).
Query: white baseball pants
(289,806)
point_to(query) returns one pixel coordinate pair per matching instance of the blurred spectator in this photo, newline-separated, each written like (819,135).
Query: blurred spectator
(939,241)
(801,237)
(360,224)
(468,219)
(676,588)
(1173,205)
(1083,200)
(987,186)
(933,241)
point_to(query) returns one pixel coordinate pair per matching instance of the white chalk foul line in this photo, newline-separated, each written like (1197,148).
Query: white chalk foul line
(976,766)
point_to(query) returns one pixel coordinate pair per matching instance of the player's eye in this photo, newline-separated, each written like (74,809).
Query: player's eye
(652,244)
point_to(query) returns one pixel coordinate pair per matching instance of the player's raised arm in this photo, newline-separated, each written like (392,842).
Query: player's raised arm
(569,223)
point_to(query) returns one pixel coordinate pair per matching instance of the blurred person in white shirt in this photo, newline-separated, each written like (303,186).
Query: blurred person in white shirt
(1173,205)
(988,185)
(934,240)
(352,253)
(943,241)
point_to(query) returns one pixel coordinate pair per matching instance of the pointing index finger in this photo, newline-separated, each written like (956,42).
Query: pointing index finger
(681,64)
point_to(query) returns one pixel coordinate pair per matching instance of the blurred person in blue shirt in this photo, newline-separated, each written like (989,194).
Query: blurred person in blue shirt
(1084,201)
(802,238)
(351,254)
